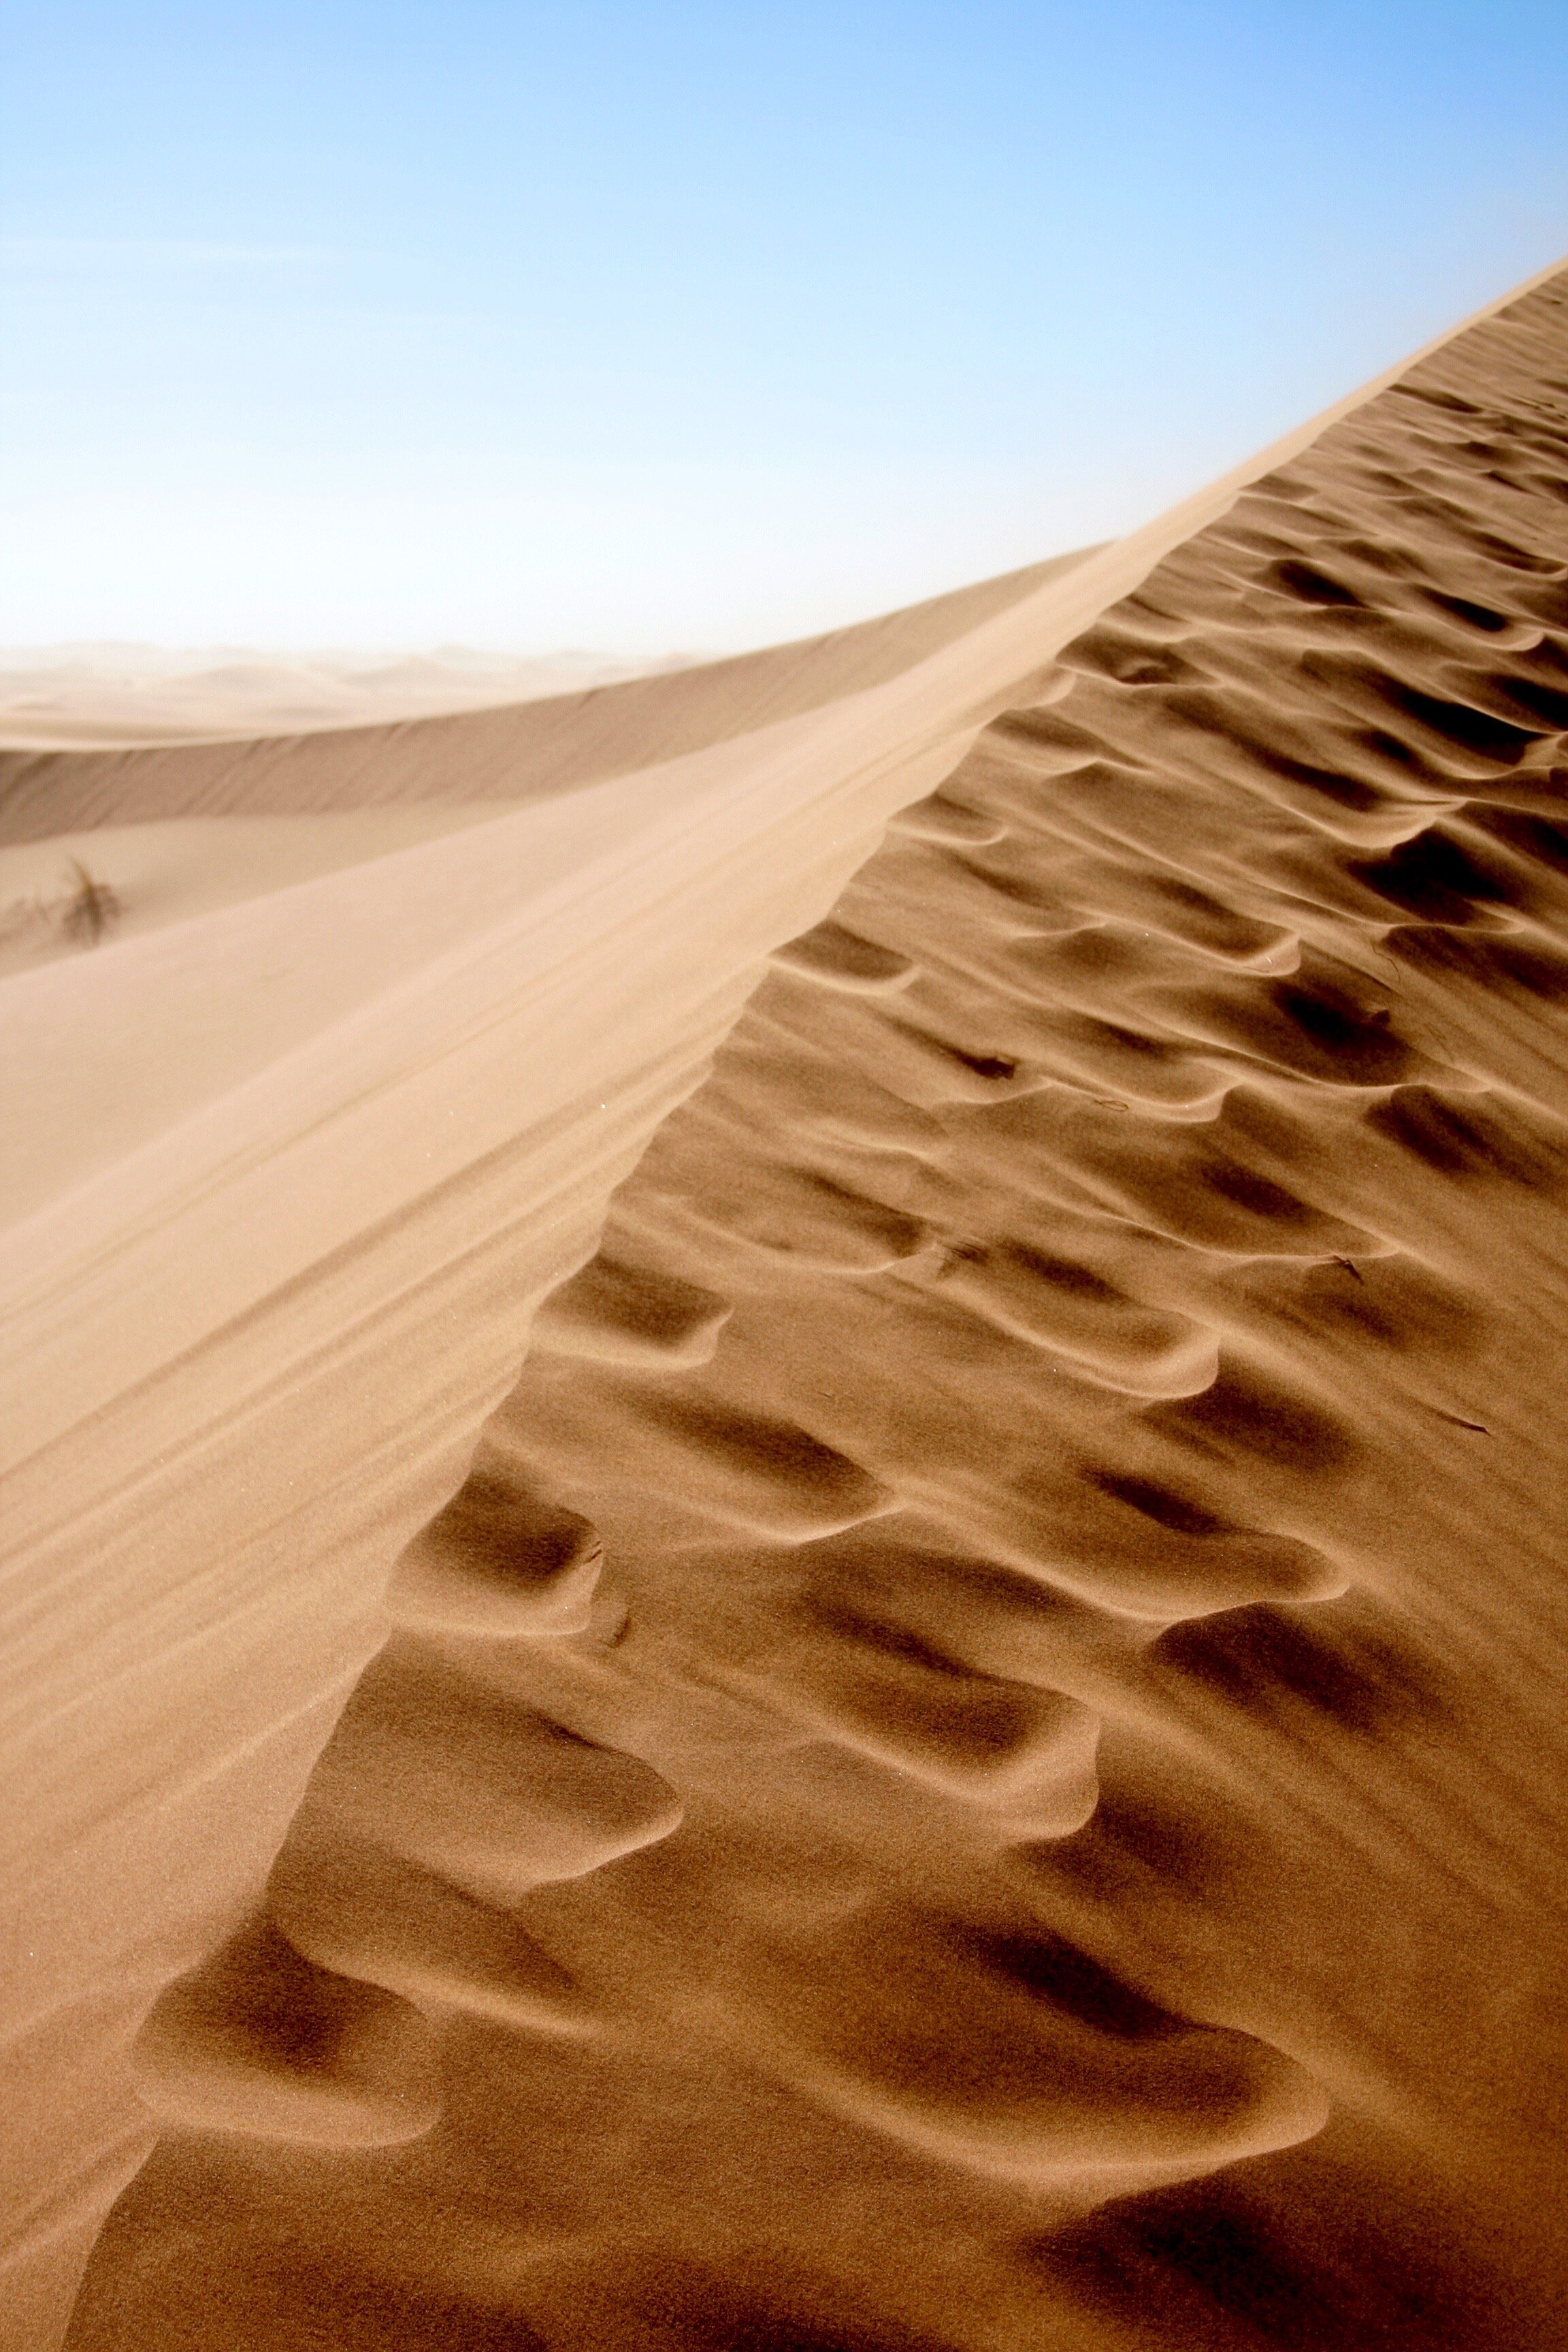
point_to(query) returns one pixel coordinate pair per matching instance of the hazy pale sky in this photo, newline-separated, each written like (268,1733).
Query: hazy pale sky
(660,325)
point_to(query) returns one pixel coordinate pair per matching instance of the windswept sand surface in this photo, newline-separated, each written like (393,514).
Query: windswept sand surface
(977,1762)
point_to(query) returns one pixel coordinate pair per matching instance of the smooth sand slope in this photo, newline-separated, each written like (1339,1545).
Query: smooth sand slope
(1003,1653)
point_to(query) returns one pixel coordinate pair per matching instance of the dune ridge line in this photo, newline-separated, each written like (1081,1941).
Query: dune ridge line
(971,1441)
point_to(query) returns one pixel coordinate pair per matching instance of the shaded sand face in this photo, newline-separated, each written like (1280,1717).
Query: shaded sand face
(972,1764)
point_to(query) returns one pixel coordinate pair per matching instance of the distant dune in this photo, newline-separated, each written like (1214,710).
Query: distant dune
(784,1448)
(513,753)
(73,696)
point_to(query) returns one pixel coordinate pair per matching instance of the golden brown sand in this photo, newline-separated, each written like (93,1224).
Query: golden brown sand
(977,1762)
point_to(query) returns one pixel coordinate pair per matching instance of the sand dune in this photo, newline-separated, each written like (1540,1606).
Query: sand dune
(517,751)
(970,1763)
(70,697)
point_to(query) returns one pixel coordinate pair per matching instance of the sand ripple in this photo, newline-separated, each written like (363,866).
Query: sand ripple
(998,1656)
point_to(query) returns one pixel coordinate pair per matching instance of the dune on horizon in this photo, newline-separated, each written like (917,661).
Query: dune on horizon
(783,1566)
(72,697)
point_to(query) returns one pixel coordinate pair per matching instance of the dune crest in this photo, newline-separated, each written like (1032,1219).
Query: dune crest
(981,1677)
(520,750)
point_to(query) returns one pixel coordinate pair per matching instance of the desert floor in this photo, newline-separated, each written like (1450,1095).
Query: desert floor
(786,1447)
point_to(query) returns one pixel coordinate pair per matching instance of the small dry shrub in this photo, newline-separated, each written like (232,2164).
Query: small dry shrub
(87,910)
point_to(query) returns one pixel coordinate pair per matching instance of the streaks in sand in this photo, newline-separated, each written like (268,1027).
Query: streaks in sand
(1080,1236)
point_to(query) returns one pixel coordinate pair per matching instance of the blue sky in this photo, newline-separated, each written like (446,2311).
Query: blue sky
(655,326)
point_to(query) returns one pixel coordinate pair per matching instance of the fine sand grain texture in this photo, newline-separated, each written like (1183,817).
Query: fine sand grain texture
(976,1761)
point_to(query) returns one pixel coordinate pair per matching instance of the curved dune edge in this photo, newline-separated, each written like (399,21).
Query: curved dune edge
(314,1401)
(515,751)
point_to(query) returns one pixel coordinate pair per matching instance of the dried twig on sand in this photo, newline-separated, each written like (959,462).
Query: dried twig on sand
(89,908)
